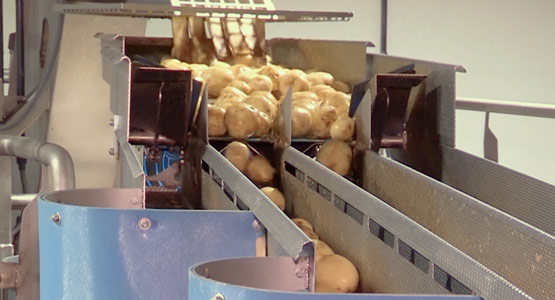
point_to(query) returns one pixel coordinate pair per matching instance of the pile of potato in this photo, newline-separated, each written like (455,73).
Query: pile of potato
(334,273)
(247,100)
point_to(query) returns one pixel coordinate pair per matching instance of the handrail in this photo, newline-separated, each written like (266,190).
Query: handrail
(507,107)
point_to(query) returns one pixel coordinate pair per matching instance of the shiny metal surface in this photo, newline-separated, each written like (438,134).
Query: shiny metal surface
(516,251)
(164,8)
(104,253)
(521,196)
(6,247)
(274,278)
(244,191)
(101,198)
(377,237)
(56,158)
(507,107)
(22,200)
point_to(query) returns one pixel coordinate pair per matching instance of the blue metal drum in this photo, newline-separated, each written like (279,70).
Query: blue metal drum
(270,278)
(108,253)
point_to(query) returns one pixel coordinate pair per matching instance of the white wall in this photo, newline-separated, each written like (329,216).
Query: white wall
(507,48)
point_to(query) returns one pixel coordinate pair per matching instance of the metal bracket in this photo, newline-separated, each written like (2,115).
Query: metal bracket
(8,275)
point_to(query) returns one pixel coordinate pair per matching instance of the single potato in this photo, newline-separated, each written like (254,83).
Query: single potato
(217,78)
(323,118)
(337,156)
(241,120)
(260,170)
(343,129)
(301,120)
(238,154)
(336,274)
(216,126)
(275,195)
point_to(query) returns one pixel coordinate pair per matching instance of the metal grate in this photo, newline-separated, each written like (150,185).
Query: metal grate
(233,4)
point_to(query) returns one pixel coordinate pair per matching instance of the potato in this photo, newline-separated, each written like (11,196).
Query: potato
(260,170)
(238,154)
(323,118)
(336,274)
(275,195)
(295,79)
(343,129)
(229,99)
(309,232)
(246,76)
(322,91)
(337,156)
(316,78)
(241,120)
(304,95)
(340,101)
(274,73)
(244,60)
(175,64)
(261,83)
(240,68)
(341,86)
(301,120)
(197,70)
(216,126)
(321,250)
(265,94)
(263,104)
(264,124)
(303,222)
(307,104)
(217,78)
(231,90)
(240,85)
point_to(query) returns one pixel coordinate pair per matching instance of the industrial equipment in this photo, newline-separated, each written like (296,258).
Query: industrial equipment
(418,218)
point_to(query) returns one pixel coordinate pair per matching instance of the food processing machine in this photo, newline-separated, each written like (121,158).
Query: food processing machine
(418,218)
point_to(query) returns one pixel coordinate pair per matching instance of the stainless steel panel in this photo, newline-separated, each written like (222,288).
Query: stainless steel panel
(381,259)
(6,248)
(213,195)
(519,195)
(520,253)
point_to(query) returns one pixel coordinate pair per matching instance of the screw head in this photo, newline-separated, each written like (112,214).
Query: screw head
(57,218)
(111,151)
(145,223)
(257,225)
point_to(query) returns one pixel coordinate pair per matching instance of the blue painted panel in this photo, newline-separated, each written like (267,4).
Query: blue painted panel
(206,289)
(100,253)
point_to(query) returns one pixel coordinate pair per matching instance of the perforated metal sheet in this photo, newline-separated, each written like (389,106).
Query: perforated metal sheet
(164,8)
(366,221)
(519,195)
(520,253)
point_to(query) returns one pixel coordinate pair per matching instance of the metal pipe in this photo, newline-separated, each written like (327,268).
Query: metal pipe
(507,107)
(383,28)
(62,174)
(20,201)
(20,47)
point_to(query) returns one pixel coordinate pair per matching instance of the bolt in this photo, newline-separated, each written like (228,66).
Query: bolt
(57,218)
(218,297)
(111,151)
(111,122)
(145,223)
(257,225)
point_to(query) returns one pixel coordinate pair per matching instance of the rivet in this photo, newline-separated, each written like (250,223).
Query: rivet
(145,223)
(57,218)
(257,225)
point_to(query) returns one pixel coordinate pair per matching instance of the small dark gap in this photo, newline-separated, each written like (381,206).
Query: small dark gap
(339,203)
(324,192)
(442,278)
(205,167)
(354,213)
(229,192)
(388,238)
(406,251)
(241,205)
(458,288)
(421,262)
(312,184)
(289,168)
